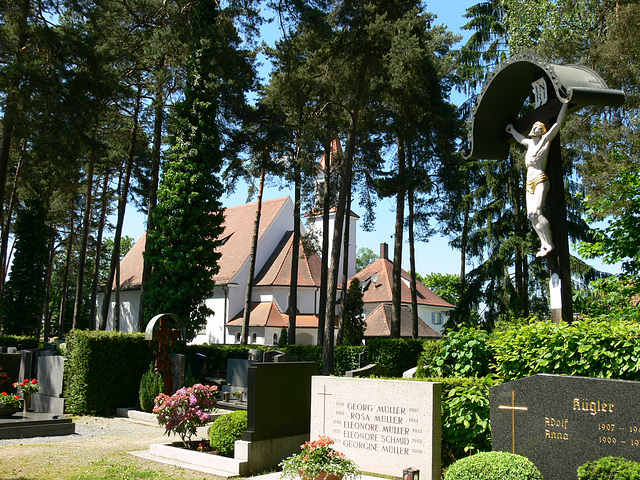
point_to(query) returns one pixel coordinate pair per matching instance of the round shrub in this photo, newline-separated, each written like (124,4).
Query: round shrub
(493,466)
(610,468)
(225,430)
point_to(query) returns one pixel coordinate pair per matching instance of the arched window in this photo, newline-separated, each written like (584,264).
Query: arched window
(275,339)
(254,338)
(237,338)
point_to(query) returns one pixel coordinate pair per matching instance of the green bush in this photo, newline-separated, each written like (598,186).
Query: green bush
(584,348)
(431,349)
(465,417)
(493,466)
(465,353)
(397,354)
(610,468)
(151,385)
(19,341)
(103,371)
(225,430)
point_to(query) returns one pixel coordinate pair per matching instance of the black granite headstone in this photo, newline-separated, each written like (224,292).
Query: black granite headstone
(560,422)
(9,371)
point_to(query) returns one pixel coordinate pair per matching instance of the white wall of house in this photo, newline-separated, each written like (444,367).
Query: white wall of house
(435,317)
(129,305)
(315,227)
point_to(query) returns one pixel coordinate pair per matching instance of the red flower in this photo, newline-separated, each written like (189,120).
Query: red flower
(26,380)
(18,397)
(34,381)
(5,394)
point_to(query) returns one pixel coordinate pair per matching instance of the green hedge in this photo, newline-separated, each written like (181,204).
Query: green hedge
(610,468)
(15,341)
(465,417)
(584,348)
(103,371)
(397,354)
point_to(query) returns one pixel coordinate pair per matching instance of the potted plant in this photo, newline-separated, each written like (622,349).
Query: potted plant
(186,410)
(27,388)
(9,404)
(318,461)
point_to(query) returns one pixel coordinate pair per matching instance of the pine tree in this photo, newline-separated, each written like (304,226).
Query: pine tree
(354,323)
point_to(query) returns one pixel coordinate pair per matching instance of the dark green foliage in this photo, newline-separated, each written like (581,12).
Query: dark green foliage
(225,430)
(24,292)
(465,417)
(397,354)
(584,348)
(431,349)
(493,466)
(103,371)
(610,468)
(16,341)
(354,315)
(217,355)
(464,353)
(189,216)
(282,341)
(151,385)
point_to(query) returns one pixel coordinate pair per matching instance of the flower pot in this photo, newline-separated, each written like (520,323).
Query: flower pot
(26,403)
(321,476)
(8,411)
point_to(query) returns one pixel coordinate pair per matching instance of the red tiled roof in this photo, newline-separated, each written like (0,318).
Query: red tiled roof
(277,270)
(378,323)
(267,314)
(380,290)
(235,247)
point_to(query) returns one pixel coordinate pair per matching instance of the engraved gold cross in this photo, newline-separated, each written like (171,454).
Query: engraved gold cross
(513,409)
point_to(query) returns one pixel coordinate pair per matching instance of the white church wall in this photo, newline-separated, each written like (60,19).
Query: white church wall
(129,305)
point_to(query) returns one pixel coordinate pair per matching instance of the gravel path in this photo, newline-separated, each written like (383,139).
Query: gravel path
(88,428)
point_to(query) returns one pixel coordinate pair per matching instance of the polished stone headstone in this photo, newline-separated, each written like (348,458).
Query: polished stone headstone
(385,426)
(560,422)
(9,371)
(50,378)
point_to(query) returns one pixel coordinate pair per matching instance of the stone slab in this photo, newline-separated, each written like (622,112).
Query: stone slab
(9,371)
(385,426)
(560,422)
(50,375)
(29,425)
(172,451)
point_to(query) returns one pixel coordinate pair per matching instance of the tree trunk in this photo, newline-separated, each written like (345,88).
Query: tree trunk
(412,262)
(244,340)
(46,315)
(67,267)
(345,267)
(396,283)
(295,252)
(96,265)
(324,273)
(82,254)
(153,187)
(122,204)
(4,264)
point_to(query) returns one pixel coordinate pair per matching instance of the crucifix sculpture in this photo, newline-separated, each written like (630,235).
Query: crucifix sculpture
(553,92)
(160,340)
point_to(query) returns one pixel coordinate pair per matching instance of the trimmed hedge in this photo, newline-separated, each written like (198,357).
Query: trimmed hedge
(103,371)
(16,340)
(585,348)
(225,430)
(397,354)
(493,466)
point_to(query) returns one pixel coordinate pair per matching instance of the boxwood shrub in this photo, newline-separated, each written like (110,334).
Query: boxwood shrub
(493,466)
(225,430)
(103,371)
(610,468)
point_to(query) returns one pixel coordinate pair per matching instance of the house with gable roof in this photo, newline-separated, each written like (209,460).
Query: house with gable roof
(270,292)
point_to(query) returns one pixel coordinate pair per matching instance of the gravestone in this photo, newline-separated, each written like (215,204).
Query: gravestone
(371,370)
(177,371)
(560,422)
(285,357)
(197,362)
(385,426)
(9,371)
(270,355)
(50,378)
(237,375)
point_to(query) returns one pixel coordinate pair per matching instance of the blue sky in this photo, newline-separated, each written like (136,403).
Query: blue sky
(433,256)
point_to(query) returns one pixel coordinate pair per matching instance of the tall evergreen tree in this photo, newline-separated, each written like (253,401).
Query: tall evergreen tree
(189,216)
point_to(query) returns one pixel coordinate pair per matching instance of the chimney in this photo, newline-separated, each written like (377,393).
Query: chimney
(384,251)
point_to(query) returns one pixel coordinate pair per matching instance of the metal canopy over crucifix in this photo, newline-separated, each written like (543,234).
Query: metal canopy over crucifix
(499,107)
